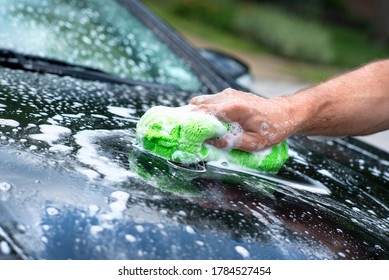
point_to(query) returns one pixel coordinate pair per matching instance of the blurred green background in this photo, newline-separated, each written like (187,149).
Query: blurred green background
(307,41)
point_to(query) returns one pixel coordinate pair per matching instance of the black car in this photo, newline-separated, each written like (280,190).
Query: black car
(76,76)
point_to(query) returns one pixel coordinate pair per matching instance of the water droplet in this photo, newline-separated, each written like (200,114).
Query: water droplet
(190,230)
(182,213)
(5,249)
(371,212)
(4,186)
(378,247)
(94,230)
(130,238)
(21,228)
(45,227)
(140,253)
(52,211)
(242,251)
(93,209)
(140,228)
(341,254)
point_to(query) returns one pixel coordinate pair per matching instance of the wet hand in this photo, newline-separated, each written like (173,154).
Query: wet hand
(256,123)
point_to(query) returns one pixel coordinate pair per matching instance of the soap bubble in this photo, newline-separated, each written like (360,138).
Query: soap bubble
(233,136)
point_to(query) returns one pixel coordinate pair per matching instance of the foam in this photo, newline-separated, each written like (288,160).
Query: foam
(233,136)
(9,122)
(50,133)
(120,205)
(89,155)
(122,112)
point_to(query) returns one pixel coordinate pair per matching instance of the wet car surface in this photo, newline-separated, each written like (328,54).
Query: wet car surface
(74,184)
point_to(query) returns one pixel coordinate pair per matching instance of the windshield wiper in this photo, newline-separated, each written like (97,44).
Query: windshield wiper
(34,63)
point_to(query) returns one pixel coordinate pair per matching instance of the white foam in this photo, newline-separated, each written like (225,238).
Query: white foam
(74,116)
(94,230)
(99,116)
(57,117)
(224,162)
(233,136)
(9,122)
(264,129)
(89,155)
(91,174)
(122,112)
(5,186)
(118,206)
(52,211)
(50,133)
(30,125)
(60,148)
(93,209)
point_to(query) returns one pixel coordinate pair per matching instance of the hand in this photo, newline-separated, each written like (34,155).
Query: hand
(256,123)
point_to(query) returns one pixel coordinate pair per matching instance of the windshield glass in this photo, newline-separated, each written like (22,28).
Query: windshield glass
(95,33)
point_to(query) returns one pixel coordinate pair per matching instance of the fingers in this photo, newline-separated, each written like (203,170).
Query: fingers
(215,98)
(218,142)
(248,142)
(197,100)
(239,109)
(218,111)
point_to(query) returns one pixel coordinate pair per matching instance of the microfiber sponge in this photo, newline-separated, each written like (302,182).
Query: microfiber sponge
(178,134)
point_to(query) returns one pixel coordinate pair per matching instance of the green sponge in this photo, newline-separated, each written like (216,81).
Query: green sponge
(178,134)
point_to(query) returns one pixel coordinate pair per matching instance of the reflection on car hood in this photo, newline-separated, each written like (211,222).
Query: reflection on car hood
(74,185)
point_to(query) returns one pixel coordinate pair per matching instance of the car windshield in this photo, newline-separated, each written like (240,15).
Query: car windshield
(96,33)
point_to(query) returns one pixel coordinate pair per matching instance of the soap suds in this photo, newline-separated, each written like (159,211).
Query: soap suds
(122,112)
(89,155)
(9,122)
(50,133)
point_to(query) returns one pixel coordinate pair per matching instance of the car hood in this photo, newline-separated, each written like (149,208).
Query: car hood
(73,184)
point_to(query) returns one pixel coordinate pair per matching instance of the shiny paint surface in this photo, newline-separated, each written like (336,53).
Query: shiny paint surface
(74,185)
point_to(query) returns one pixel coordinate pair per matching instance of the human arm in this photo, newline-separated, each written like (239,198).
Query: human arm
(355,103)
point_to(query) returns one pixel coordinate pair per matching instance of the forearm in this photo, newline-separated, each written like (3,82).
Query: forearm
(356,103)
